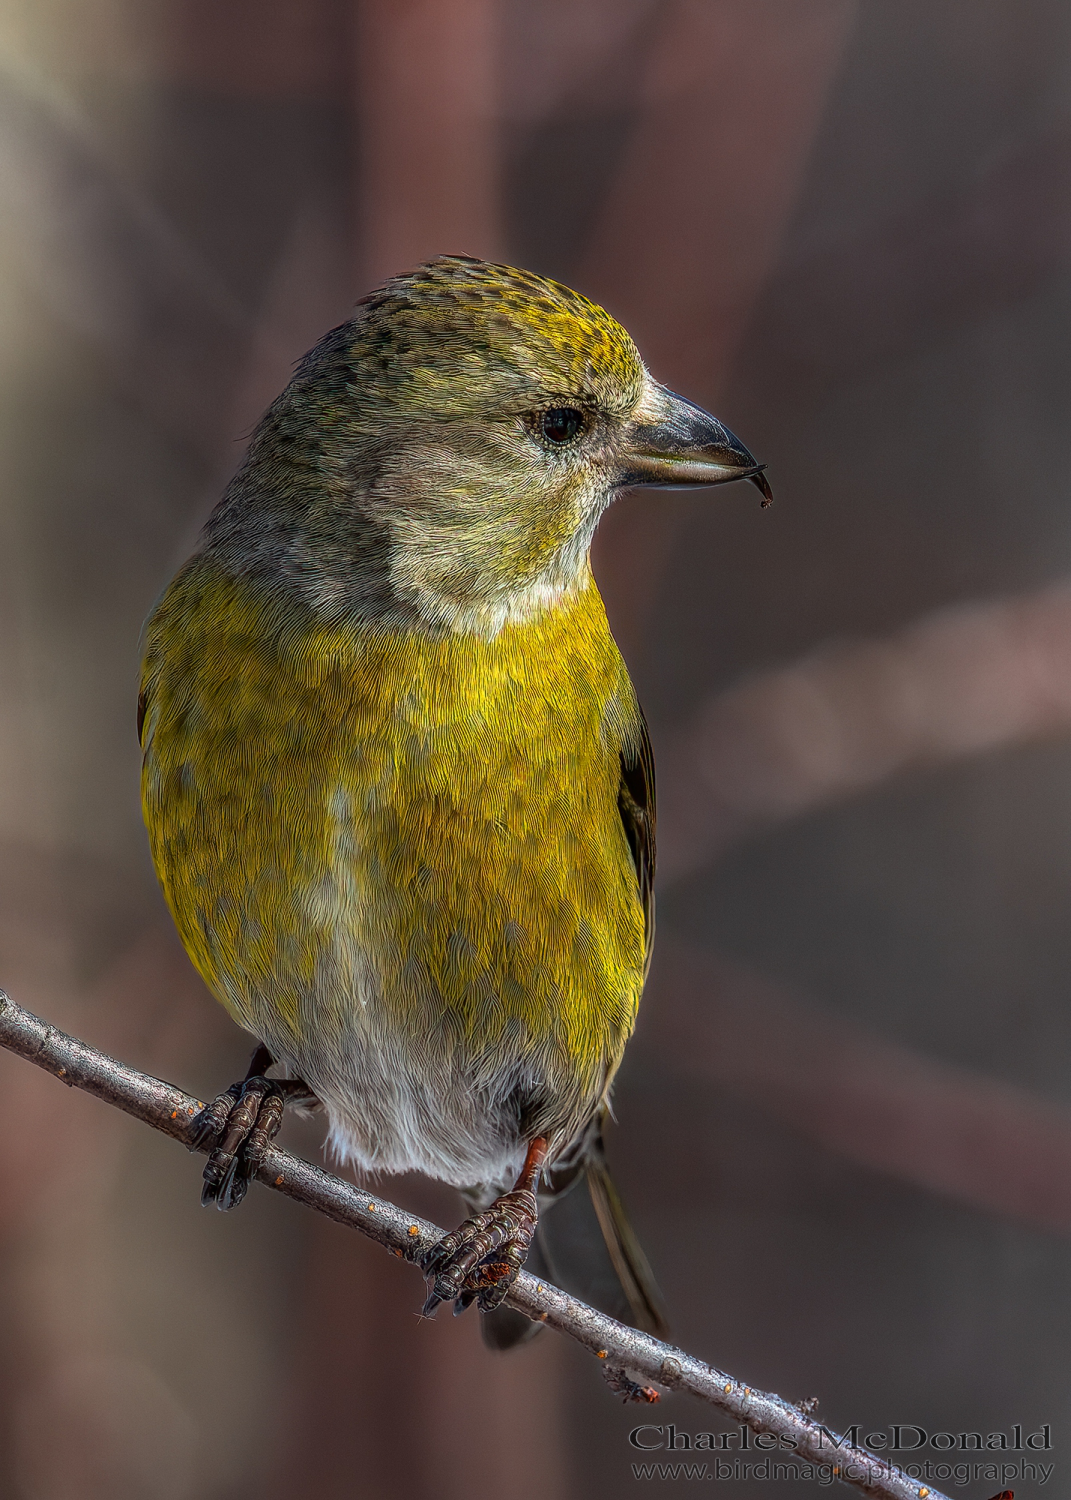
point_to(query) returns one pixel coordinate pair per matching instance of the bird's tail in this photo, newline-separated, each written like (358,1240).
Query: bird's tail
(586,1245)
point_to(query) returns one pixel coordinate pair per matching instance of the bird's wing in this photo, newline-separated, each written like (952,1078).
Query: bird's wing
(636,803)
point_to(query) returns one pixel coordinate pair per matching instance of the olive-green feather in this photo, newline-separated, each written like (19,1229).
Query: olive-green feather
(458,801)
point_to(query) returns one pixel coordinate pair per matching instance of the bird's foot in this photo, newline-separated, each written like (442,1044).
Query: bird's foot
(243,1121)
(480,1260)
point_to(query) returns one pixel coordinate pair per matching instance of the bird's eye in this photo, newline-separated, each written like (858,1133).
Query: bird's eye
(561,424)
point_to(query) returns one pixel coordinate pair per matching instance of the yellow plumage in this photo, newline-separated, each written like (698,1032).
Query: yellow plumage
(344,817)
(397,784)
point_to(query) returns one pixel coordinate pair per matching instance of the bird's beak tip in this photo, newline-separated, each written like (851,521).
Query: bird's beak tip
(762,484)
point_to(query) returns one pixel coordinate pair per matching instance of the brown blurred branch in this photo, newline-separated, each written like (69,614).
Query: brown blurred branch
(622,1349)
(943,1128)
(847,717)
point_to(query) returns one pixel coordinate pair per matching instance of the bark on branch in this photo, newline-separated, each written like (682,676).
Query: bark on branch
(628,1357)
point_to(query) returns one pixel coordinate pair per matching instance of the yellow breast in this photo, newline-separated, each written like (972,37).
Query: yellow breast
(345,817)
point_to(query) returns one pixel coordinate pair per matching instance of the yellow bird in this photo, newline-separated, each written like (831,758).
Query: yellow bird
(398,787)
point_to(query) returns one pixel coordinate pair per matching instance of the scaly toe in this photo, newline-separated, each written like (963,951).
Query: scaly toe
(253,1118)
(480,1260)
(211,1120)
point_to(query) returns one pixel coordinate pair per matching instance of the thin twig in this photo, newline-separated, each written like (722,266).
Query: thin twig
(628,1356)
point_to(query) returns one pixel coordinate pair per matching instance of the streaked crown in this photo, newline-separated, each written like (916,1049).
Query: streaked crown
(460,321)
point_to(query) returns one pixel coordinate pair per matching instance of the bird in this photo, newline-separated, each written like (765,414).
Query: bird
(398,786)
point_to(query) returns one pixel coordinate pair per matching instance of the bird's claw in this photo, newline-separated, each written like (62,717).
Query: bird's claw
(244,1121)
(480,1260)
(209,1121)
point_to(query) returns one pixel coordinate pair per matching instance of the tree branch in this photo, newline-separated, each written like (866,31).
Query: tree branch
(625,1352)
(965,680)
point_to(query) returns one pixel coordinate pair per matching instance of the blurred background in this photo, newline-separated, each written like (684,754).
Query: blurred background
(845,1120)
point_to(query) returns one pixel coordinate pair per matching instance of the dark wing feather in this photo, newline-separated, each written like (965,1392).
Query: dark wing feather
(636,803)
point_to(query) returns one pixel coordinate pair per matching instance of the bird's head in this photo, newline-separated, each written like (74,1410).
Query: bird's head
(443,458)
